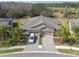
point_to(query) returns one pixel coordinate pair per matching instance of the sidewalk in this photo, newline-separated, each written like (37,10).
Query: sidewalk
(57,47)
(14,47)
(67,47)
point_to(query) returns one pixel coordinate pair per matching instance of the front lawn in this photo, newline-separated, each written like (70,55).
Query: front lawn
(40,41)
(69,51)
(11,50)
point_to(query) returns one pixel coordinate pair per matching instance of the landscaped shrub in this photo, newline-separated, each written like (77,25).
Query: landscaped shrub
(15,24)
(11,36)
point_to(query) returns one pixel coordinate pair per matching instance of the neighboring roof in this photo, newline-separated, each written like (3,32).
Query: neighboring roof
(74,22)
(5,19)
(37,23)
(2,20)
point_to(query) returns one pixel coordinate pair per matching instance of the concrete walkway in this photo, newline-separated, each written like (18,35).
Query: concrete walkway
(67,47)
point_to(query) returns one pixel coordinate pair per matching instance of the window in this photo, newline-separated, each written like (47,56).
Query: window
(31,37)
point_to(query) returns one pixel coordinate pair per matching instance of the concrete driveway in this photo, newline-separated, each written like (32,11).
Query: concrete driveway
(47,44)
(31,47)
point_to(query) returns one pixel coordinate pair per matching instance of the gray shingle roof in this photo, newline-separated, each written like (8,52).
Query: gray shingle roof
(37,23)
(4,20)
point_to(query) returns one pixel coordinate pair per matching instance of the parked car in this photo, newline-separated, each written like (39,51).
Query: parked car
(31,38)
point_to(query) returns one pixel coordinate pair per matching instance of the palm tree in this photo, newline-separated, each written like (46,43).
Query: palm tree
(10,36)
(64,33)
(3,29)
(76,31)
(16,35)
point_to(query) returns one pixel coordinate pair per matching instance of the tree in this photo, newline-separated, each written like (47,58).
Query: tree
(38,9)
(68,12)
(3,29)
(11,36)
(14,9)
(63,33)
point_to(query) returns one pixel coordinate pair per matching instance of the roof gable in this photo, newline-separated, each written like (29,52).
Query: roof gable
(40,22)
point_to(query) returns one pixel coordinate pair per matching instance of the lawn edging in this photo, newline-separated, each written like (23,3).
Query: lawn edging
(7,50)
(67,47)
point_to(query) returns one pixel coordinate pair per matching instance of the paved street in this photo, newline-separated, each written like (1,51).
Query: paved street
(41,54)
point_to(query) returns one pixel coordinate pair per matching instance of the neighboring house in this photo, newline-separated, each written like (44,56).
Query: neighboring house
(5,21)
(74,22)
(41,24)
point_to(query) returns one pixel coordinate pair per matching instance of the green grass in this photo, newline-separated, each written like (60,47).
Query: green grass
(40,41)
(63,22)
(76,45)
(21,21)
(11,50)
(69,51)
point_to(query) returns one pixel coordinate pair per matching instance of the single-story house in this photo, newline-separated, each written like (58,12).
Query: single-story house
(72,23)
(43,27)
(41,24)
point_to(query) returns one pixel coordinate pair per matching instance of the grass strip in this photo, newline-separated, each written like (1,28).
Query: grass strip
(69,51)
(40,41)
(11,50)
